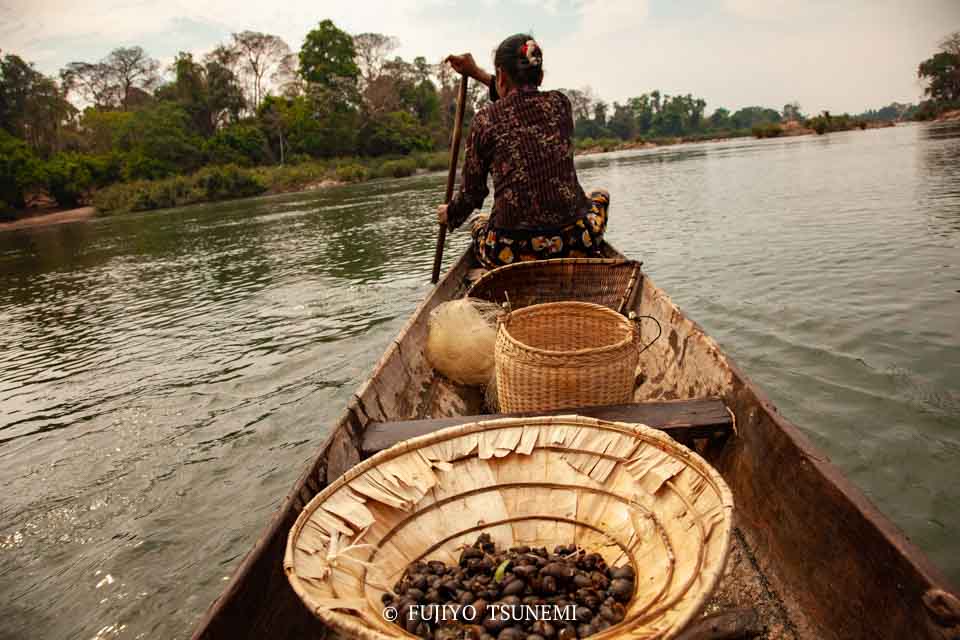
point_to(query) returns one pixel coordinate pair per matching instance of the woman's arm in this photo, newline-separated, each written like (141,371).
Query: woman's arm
(476,166)
(466,65)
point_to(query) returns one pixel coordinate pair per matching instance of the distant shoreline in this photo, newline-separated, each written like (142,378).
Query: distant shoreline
(42,218)
(789,129)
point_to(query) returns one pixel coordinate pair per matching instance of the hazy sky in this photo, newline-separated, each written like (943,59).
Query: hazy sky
(842,55)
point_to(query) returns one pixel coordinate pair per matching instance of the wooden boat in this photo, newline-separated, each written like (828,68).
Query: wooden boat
(812,557)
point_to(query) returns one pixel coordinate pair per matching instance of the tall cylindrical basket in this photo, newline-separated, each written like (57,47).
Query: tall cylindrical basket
(564,355)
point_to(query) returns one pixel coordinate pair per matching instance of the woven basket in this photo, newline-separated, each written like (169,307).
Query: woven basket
(565,354)
(606,281)
(625,491)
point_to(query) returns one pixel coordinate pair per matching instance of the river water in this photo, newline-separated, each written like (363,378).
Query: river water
(165,376)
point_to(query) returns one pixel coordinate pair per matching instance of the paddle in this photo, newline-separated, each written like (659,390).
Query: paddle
(451,176)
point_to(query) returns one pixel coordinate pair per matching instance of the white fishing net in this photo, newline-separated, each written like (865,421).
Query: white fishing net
(461,335)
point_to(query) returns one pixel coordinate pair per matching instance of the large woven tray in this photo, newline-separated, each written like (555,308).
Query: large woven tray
(625,491)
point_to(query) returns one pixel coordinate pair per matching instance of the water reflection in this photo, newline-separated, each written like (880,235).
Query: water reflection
(941,176)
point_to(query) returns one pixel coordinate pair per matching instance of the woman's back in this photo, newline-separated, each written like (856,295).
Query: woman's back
(525,140)
(530,142)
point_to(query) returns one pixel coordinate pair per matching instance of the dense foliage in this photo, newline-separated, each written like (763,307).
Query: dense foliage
(249,103)
(207,185)
(942,75)
(659,117)
(328,56)
(19,170)
(891,113)
(252,115)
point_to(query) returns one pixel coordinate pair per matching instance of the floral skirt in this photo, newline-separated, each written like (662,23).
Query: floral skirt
(580,239)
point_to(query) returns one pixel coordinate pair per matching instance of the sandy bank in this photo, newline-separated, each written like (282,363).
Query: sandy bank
(300,188)
(44,219)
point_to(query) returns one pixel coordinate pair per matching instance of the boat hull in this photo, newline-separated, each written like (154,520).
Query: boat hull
(825,562)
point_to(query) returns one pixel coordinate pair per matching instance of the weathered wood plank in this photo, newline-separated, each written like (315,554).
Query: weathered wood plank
(684,420)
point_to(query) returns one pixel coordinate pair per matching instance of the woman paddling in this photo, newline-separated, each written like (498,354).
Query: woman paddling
(525,139)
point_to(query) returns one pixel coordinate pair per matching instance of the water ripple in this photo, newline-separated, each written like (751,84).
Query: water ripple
(165,375)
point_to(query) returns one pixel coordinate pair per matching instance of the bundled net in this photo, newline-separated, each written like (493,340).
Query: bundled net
(461,335)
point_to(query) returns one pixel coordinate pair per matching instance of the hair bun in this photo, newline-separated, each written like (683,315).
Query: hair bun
(521,58)
(530,55)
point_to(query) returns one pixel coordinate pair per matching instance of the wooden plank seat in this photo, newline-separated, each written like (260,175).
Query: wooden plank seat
(686,421)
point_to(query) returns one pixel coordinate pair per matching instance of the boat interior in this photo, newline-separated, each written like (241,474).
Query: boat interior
(810,557)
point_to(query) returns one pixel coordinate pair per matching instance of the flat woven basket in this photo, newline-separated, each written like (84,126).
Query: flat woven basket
(565,354)
(606,281)
(625,491)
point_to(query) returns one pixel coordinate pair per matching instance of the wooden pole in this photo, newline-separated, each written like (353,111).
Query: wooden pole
(451,176)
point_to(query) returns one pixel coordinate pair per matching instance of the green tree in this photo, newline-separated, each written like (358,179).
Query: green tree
(791,111)
(655,100)
(667,115)
(747,117)
(942,73)
(159,142)
(71,177)
(671,119)
(328,56)
(720,118)
(600,113)
(20,170)
(697,108)
(32,106)
(243,144)
(210,93)
(892,112)
(103,129)
(642,107)
(424,101)
(622,123)
(318,124)
(397,132)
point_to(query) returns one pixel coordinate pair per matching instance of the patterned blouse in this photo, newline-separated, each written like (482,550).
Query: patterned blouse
(526,141)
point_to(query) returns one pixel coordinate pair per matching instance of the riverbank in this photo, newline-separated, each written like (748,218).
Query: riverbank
(949,116)
(588,146)
(230,182)
(44,218)
(779,130)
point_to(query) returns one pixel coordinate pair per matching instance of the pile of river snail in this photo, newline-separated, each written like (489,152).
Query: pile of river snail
(576,582)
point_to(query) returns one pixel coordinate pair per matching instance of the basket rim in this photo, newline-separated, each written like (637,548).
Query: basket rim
(533,264)
(650,435)
(504,321)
